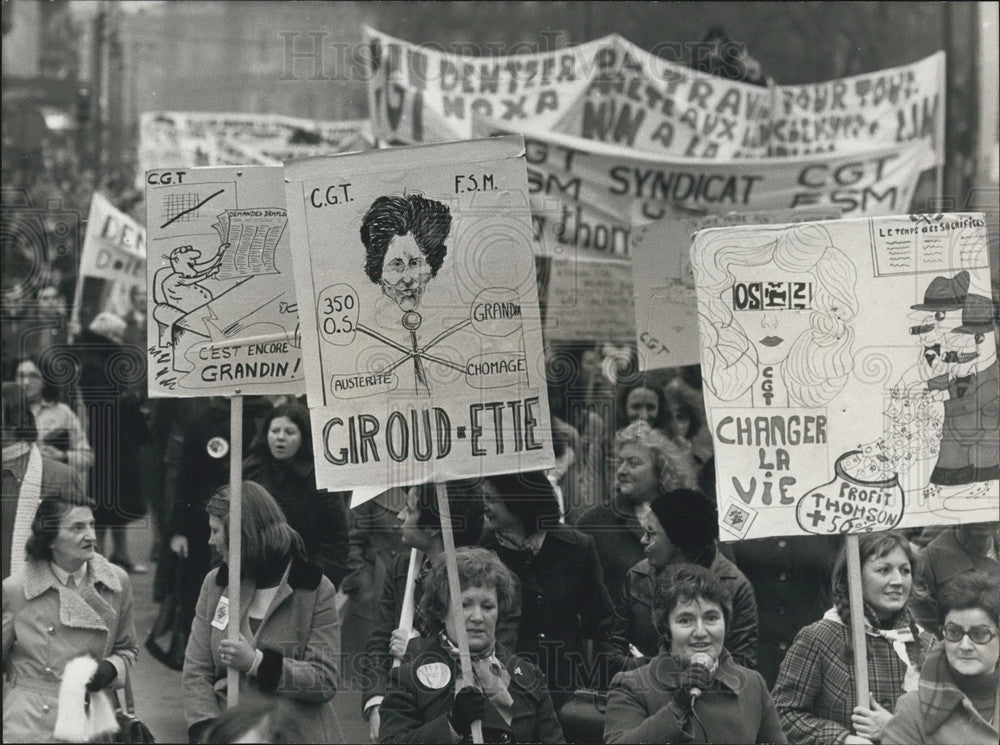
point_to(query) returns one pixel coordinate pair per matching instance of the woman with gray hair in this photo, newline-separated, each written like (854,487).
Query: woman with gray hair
(649,464)
(429,698)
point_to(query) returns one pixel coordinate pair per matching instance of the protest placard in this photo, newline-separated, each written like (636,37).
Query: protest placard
(112,275)
(422,339)
(589,300)
(643,101)
(666,313)
(850,374)
(221,291)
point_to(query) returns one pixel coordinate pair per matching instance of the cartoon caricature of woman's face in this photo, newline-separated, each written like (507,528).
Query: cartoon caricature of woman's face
(772,306)
(405,272)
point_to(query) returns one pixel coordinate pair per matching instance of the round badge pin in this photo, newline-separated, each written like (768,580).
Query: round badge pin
(218,447)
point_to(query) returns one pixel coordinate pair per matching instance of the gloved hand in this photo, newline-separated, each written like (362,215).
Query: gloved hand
(103,676)
(469,705)
(696,676)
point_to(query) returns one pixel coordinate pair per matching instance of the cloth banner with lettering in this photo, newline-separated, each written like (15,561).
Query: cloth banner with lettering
(850,374)
(171,139)
(612,91)
(666,312)
(586,195)
(112,274)
(420,318)
(649,103)
(420,94)
(222,305)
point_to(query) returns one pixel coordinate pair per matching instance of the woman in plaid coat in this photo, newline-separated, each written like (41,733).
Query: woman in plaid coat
(815,691)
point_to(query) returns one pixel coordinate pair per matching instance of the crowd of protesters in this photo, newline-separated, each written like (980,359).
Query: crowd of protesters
(597,601)
(598,627)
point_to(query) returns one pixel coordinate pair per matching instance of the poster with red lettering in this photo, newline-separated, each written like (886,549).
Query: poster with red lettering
(850,374)
(420,323)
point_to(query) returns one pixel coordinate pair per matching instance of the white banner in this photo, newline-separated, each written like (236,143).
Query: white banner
(850,374)
(585,195)
(420,94)
(422,340)
(222,307)
(642,101)
(609,90)
(173,139)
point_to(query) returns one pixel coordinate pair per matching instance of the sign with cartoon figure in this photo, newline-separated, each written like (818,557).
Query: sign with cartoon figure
(420,321)
(663,283)
(850,374)
(221,292)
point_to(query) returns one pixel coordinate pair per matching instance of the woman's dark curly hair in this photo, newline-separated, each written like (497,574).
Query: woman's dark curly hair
(299,416)
(428,220)
(45,525)
(971,590)
(682,583)
(530,497)
(477,567)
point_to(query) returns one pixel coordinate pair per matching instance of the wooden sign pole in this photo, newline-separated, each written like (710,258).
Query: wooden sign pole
(406,614)
(235,539)
(857,621)
(455,589)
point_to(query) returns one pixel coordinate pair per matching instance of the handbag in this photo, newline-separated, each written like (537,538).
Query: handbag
(582,716)
(130,728)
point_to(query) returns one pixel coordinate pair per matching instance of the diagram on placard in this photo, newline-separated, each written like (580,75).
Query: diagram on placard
(208,248)
(405,246)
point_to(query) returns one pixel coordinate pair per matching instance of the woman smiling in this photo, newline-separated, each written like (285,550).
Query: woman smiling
(692,691)
(815,691)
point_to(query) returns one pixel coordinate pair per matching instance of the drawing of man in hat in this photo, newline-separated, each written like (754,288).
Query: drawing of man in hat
(944,297)
(970,436)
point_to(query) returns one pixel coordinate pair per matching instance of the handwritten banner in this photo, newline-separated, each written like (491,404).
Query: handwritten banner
(642,101)
(222,307)
(172,139)
(420,94)
(586,196)
(610,90)
(423,344)
(843,398)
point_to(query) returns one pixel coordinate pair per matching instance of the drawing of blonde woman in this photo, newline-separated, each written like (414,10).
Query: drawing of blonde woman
(775,317)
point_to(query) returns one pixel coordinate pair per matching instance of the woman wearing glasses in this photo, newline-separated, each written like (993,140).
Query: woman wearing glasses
(957,700)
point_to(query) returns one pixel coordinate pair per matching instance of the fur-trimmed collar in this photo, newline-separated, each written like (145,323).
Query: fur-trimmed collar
(92,612)
(38,577)
(302,575)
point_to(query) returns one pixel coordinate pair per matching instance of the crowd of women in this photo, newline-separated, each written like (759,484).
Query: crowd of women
(596,599)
